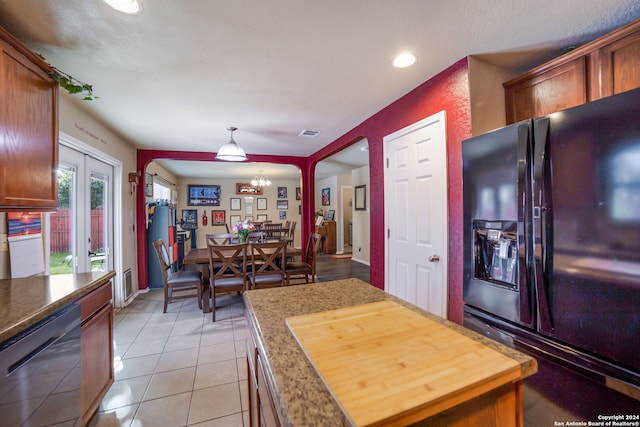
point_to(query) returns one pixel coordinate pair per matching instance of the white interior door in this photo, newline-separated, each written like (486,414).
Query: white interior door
(416,214)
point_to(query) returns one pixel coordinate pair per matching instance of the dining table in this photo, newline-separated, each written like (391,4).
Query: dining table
(200,256)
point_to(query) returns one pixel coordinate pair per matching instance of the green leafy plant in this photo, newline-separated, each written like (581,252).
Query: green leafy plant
(71,84)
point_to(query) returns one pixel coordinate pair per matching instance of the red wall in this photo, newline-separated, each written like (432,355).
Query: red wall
(447,91)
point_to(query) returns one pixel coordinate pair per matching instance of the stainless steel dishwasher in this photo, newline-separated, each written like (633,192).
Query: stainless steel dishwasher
(40,372)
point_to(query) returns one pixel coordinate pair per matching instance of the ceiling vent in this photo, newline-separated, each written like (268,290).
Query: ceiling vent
(309,133)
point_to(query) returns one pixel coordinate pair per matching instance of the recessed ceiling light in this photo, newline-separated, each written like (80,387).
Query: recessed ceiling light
(126,6)
(404,60)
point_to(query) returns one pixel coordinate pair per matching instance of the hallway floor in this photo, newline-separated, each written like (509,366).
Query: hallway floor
(181,369)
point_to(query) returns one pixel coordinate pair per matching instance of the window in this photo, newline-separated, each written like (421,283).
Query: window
(161,192)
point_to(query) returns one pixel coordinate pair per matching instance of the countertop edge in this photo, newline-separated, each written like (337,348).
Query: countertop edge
(52,307)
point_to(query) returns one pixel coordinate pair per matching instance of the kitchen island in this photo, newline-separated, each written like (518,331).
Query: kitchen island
(286,389)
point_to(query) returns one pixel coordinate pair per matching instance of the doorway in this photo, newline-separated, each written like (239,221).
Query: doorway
(416,214)
(336,176)
(81,230)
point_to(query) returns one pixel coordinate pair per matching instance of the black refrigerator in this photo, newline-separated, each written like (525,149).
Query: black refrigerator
(552,254)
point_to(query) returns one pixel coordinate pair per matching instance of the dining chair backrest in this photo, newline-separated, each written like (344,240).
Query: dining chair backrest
(163,257)
(292,229)
(219,239)
(273,231)
(311,251)
(227,261)
(255,237)
(268,260)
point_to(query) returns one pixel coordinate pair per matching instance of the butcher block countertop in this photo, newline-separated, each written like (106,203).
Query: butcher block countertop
(305,364)
(26,301)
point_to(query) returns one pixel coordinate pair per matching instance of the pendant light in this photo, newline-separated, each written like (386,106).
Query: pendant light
(231,152)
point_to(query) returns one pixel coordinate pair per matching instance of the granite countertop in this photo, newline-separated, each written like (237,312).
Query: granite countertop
(299,393)
(26,301)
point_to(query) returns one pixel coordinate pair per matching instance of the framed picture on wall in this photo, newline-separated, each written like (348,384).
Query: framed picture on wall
(262,204)
(190,217)
(262,217)
(148,185)
(246,188)
(234,219)
(282,192)
(361,198)
(282,204)
(282,214)
(203,195)
(298,193)
(326,196)
(235,203)
(218,217)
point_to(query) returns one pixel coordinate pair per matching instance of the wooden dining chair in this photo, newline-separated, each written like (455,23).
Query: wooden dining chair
(179,284)
(307,266)
(267,261)
(219,238)
(228,270)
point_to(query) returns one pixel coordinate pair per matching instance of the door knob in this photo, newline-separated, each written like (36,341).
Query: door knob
(434,258)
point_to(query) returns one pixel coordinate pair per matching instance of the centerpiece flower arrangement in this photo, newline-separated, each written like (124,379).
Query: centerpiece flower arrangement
(243,229)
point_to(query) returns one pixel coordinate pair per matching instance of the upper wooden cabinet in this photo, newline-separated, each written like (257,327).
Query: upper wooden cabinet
(28,129)
(604,67)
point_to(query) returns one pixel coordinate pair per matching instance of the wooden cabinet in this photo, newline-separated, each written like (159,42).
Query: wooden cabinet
(328,232)
(604,67)
(620,64)
(28,129)
(96,344)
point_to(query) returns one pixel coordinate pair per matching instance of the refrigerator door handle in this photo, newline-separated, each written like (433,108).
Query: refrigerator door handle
(542,223)
(525,253)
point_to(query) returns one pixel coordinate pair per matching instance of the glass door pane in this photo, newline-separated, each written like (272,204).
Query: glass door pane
(97,244)
(100,215)
(61,259)
(63,224)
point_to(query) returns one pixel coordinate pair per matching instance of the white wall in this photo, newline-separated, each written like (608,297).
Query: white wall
(83,127)
(361,219)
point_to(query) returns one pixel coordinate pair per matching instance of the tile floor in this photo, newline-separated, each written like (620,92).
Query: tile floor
(181,369)
(177,368)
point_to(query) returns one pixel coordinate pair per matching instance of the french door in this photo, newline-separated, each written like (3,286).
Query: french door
(81,235)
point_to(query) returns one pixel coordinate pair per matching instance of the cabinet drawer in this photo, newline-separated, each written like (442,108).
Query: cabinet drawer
(95,300)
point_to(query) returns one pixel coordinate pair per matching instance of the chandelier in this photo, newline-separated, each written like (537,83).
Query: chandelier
(231,152)
(260,180)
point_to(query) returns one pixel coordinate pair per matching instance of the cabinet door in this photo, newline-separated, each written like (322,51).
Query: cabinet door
(28,133)
(268,414)
(535,95)
(620,62)
(96,360)
(252,374)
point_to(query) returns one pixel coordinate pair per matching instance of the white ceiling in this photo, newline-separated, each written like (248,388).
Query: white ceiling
(177,74)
